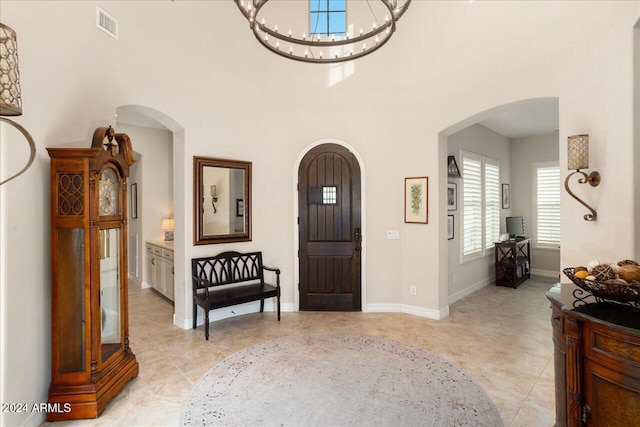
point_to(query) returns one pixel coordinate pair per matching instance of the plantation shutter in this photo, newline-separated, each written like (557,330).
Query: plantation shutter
(471,204)
(548,206)
(491,203)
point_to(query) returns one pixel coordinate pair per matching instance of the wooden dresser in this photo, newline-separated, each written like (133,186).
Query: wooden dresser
(597,364)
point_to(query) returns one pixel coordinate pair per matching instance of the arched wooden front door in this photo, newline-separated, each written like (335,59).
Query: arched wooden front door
(329,229)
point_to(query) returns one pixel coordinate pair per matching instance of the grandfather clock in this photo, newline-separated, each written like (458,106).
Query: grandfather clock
(90,356)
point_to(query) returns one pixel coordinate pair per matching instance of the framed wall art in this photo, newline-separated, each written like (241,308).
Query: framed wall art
(416,200)
(452,196)
(450,227)
(506,196)
(134,200)
(239,207)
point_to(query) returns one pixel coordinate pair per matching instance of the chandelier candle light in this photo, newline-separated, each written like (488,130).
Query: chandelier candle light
(371,25)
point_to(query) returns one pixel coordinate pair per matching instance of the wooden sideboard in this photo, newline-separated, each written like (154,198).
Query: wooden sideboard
(597,364)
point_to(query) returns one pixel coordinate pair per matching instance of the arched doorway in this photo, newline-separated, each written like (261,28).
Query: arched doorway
(329,229)
(521,136)
(146,117)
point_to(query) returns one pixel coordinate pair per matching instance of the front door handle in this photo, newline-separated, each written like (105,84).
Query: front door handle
(357,237)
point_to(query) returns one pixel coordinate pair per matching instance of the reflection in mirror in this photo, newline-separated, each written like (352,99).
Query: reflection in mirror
(222,197)
(225,185)
(110,290)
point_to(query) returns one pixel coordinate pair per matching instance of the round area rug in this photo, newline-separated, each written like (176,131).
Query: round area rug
(336,380)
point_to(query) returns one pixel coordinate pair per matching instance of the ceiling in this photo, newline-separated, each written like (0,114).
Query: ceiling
(528,120)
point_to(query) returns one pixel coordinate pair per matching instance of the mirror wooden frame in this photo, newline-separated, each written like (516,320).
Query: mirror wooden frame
(199,237)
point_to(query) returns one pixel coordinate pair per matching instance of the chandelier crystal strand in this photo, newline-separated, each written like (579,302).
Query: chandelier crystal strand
(323,48)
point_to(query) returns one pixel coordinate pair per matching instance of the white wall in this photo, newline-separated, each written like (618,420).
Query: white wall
(525,153)
(464,278)
(198,63)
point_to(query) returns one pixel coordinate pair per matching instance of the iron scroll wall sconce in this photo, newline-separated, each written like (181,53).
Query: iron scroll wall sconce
(214,198)
(10,95)
(578,158)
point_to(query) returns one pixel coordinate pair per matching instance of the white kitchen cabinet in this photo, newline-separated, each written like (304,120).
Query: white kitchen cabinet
(160,269)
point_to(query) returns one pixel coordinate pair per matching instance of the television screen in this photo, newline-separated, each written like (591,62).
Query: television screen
(515,226)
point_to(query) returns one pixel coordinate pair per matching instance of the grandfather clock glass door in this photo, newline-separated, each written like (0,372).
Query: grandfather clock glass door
(110,292)
(70,244)
(91,358)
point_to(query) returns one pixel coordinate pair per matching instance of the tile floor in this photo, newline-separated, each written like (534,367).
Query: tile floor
(501,337)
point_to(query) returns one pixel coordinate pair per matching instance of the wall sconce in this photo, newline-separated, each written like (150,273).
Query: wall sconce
(10,98)
(167,226)
(578,158)
(214,198)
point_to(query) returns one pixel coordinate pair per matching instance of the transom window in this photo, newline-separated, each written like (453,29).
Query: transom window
(327,17)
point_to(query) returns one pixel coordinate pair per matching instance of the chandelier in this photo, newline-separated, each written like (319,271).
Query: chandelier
(307,34)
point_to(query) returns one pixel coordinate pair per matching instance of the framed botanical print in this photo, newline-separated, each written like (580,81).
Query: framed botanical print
(416,200)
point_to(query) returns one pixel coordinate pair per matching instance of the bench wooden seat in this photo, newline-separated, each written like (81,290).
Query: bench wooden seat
(231,278)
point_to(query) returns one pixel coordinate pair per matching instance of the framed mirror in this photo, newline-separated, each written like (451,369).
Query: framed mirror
(222,200)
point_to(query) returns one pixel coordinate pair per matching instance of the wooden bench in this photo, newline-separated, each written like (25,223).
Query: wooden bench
(230,278)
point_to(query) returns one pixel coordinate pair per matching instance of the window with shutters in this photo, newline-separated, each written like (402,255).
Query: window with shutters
(491,203)
(480,205)
(547,205)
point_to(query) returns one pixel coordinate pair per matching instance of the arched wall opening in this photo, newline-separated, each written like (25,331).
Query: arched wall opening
(172,133)
(500,133)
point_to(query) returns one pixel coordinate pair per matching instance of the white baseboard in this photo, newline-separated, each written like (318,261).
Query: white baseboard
(133,281)
(181,322)
(469,290)
(384,308)
(34,419)
(233,311)
(254,307)
(545,273)
(409,309)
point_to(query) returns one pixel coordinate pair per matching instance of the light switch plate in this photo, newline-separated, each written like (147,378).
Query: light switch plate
(393,234)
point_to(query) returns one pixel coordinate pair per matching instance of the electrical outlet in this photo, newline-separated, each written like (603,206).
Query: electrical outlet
(413,290)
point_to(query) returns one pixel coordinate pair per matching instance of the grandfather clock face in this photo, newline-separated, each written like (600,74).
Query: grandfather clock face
(108,193)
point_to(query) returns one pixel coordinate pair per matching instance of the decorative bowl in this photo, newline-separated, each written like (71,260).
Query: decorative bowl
(619,292)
